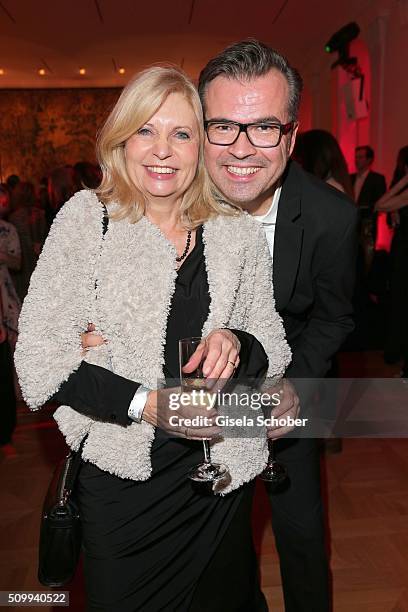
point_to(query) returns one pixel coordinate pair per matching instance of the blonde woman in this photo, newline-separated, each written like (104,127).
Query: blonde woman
(173,263)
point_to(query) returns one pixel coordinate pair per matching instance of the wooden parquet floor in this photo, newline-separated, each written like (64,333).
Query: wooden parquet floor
(367,502)
(366,487)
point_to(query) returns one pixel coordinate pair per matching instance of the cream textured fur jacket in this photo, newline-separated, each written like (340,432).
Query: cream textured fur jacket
(135,268)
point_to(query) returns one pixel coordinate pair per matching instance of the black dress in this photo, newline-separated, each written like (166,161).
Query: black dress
(163,544)
(396,346)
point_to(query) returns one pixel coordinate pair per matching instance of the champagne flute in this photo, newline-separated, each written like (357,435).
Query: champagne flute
(275,473)
(205,471)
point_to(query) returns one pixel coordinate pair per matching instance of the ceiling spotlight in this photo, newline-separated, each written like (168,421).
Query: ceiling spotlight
(82,71)
(342,37)
(121,71)
(41,71)
(2,72)
(340,42)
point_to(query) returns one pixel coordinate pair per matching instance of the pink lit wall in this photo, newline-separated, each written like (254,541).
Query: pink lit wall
(352,120)
(382,49)
(395,114)
(353,104)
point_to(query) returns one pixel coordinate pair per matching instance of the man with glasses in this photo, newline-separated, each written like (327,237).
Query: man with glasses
(251,96)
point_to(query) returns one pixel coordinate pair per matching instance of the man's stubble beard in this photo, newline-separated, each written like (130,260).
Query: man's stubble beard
(253,197)
(248,197)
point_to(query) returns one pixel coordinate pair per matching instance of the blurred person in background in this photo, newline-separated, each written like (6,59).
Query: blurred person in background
(396,200)
(11,182)
(42,199)
(368,187)
(62,184)
(88,175)
(9,311)
(319,153)
(39,226)
(22,202)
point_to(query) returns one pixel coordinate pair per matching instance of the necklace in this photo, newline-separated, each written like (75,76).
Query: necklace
(184,253)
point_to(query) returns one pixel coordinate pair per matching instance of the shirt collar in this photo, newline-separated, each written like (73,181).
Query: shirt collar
(269,218)
(362,177)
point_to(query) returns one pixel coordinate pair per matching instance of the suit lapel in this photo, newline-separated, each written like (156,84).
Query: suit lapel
(288,237)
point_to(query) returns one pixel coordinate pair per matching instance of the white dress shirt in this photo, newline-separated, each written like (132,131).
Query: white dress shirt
(268,220)
(138,403)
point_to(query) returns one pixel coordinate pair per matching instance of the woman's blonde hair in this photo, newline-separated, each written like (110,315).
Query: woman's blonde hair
(139,101)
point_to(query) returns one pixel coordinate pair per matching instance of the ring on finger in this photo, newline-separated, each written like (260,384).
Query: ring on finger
(232,363)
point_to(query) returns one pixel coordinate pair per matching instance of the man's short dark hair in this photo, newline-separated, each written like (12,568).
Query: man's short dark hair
(369,151)
(249,59)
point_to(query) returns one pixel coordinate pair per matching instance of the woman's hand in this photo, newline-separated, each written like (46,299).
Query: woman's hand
(222,356)
(90,338)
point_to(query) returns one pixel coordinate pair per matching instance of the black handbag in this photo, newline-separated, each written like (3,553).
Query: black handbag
(60,535)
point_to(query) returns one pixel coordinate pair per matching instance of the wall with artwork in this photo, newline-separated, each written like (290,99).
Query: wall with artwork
(41,129)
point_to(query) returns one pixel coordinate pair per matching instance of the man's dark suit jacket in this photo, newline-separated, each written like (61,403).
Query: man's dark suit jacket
(314,268)
(372,189)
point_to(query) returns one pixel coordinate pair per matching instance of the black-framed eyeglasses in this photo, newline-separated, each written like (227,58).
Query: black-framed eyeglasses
(265,134)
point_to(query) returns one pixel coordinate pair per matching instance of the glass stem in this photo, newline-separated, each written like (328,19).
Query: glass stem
(207,452)
(271,450)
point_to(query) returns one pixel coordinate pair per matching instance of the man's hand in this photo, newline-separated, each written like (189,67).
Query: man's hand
(158,413)
(221,348)
(288,407)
